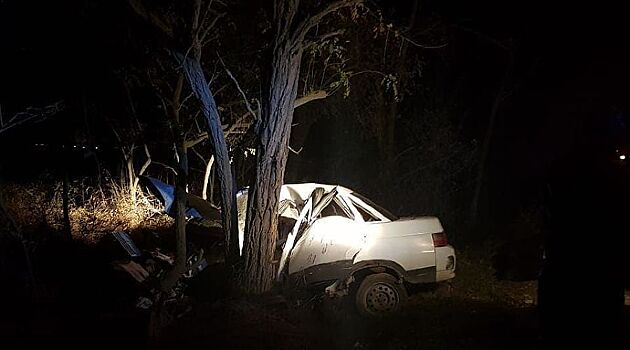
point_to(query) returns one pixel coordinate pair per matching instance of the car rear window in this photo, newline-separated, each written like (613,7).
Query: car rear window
(380,209)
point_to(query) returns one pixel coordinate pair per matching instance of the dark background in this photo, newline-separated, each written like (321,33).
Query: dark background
(569,64)
(567,82)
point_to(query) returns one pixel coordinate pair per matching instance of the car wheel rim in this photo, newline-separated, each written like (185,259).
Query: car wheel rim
(381,298)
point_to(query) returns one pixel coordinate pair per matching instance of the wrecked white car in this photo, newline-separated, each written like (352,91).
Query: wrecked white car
(334,237)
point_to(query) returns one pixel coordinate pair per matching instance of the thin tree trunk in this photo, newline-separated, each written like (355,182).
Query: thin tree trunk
(136,177)
(206,177)
(179,268)
(160,315)
(211,197)
(66,205)
(131,176)
(196,79)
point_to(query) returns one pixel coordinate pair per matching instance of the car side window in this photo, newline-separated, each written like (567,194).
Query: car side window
(336,208)
(367,216)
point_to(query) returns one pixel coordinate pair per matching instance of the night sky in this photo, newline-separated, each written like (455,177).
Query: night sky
(570,62)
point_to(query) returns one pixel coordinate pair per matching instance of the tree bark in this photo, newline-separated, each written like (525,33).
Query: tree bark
(273,131)
(196,79)
(179,268)
(280,85)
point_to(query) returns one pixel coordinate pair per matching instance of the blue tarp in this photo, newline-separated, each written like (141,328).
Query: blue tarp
(166,193)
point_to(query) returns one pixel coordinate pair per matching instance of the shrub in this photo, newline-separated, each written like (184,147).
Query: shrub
(93,210)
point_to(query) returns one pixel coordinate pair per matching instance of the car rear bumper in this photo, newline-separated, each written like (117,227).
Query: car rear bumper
(445,263)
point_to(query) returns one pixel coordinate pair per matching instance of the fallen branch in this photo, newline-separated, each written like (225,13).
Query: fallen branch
(32,114)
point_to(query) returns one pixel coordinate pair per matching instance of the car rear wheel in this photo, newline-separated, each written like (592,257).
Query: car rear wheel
(379,295)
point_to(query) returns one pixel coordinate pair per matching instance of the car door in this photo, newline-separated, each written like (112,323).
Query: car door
(330,242)
(312,207)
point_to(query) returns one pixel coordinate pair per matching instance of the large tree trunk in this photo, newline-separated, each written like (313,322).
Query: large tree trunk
(196,79)
(273,131)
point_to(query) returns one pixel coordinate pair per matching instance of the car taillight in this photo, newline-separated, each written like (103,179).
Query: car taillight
(440,239)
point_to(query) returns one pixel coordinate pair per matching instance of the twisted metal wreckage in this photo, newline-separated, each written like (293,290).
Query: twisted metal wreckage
(331,239)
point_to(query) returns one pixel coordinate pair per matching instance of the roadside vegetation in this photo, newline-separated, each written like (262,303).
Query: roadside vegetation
(475,311)
(94,211)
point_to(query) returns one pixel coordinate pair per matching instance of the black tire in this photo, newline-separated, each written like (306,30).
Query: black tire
(379,295)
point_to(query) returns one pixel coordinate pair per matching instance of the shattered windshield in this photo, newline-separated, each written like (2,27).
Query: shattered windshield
(380,209)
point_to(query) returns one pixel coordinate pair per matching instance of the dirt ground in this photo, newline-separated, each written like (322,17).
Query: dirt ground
(478,312)
(433,323)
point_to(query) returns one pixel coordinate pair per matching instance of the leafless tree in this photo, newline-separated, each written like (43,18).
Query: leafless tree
(184,39)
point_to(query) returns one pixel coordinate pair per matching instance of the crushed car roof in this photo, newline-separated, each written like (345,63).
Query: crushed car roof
(302,191)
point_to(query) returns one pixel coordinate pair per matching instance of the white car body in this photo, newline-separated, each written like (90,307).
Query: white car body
(341,232)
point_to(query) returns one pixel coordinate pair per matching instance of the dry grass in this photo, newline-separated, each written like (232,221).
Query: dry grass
(94,211)
(476,281)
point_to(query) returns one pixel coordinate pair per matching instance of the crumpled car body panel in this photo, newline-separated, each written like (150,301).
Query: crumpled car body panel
(334,226)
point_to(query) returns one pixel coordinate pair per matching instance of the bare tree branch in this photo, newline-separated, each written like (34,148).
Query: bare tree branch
(166,166)
(242,122)
(200,30)
(151,17)
(423,46)
(146,164)
(311,21)
(203,35)
(195,152)
(196,16)
(294,151)
(323,37)
(200,138)
(33,114)
(312,96)
(238,86)
(330,35)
